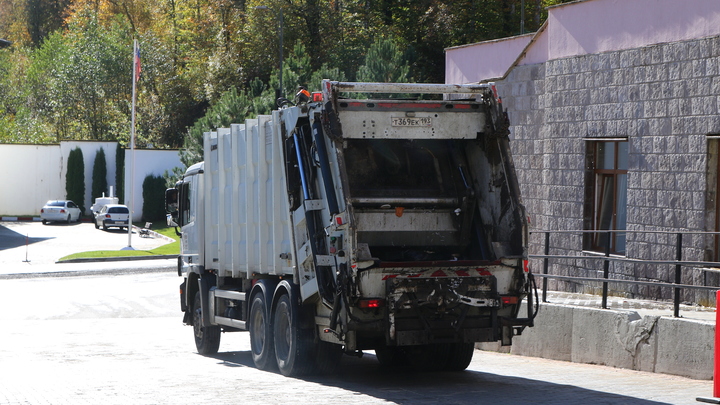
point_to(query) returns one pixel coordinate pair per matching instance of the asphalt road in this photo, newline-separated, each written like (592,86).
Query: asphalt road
(116,337)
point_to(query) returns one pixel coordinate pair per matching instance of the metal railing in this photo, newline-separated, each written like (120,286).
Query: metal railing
(677,285)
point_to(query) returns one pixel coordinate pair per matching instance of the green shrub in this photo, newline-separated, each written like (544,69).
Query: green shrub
(120,173)
(153,198)
(99,175)
(75,179)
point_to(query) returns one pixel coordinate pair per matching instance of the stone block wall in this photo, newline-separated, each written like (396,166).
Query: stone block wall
(665,100)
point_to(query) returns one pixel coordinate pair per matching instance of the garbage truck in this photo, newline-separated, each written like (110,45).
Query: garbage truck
(379,217)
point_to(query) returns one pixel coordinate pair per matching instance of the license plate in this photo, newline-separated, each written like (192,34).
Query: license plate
(411,121)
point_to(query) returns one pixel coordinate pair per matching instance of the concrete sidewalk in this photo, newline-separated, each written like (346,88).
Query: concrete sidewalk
(30,248)
(642,307)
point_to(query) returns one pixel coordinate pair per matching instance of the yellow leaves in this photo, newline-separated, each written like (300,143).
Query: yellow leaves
(143,15)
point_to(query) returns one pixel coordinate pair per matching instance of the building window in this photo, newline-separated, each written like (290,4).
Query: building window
(606,194)
(712,207)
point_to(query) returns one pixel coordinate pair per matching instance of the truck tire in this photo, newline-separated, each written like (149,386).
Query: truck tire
(261,340)
(207,339)
(459,356)
(293,345)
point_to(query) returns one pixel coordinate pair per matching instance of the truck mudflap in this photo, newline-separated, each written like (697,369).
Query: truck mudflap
(454,306)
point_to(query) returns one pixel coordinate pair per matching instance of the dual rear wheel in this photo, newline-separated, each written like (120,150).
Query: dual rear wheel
(283,343)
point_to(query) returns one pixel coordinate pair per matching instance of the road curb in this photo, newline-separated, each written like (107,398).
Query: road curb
(81,273)
(20,219)
(117,259)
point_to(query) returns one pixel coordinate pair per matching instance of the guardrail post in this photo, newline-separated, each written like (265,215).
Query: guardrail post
(716,363)
(606,270)
(716,376)
(678,276)
(545,265)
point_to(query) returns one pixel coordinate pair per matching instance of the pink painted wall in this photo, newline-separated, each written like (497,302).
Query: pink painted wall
(609,25)
(586,27)
(486,60)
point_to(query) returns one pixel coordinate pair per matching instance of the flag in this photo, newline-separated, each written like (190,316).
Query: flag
(136,62)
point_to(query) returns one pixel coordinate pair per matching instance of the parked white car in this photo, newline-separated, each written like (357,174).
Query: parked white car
(112,215)
(60,210)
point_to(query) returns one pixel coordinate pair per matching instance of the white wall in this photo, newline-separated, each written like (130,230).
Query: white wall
(34,174)
(31,175)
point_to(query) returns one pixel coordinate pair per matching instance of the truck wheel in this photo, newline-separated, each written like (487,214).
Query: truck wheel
(293,346)
(459,356)
(261,341)
(207,339)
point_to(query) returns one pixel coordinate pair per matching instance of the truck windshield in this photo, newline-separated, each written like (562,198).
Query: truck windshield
(400,168)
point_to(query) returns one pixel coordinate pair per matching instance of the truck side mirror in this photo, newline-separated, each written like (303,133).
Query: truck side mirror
(171,202)
(171,206)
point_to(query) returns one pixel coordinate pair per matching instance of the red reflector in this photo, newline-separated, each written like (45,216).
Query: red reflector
(509,300)
(317,97)
(526,266)
(338,220)
(371,303)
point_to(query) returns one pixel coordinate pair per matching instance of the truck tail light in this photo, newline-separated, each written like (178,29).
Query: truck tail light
(509,299)
(526,266)
(371,303)
(317,96)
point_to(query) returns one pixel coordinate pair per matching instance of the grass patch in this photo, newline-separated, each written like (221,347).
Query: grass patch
(172,248)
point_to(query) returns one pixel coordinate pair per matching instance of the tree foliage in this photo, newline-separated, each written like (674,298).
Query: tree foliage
(153,194)
(68,74)
(384,63)
(99,175)
(75,178)
(120,173)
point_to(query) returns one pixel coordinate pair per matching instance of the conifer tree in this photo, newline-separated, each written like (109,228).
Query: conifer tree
(384,63)
(75,178)
(99,176)
(120,173)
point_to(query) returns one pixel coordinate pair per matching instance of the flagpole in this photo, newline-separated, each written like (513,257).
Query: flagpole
(132,143)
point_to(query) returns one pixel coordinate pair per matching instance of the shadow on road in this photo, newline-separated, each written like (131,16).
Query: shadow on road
(10,239)
(366,376)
